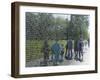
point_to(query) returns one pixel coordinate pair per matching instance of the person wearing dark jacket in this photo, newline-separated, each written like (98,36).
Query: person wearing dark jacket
(45,51)
(80,49)
(69,46)
(76,49)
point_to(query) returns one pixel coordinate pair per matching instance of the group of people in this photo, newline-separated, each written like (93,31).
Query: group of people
(58,52)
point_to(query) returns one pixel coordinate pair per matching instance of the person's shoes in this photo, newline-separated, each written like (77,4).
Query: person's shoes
(81,60)
(76,59)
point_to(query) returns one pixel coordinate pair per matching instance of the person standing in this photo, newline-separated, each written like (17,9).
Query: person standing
(76,49)
(56,52)
(80,49)
(69,49)
(61,52)
(45,50)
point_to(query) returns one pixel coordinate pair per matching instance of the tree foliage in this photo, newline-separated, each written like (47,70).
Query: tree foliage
(48,26)
(78,26)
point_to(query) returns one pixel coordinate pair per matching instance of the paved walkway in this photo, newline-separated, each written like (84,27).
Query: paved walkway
(37,62)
